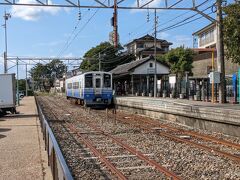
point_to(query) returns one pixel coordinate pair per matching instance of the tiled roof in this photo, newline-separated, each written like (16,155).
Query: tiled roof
(150,38)
(125,68)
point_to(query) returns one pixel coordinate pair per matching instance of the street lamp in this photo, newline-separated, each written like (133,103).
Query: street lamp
(6,17)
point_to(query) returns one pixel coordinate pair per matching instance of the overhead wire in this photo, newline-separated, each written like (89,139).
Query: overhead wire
(83,27)
(178,24)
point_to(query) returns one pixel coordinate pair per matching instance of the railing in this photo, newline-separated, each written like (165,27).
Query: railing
(56,161)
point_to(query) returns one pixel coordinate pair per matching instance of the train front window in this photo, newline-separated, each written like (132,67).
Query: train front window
(107,80)
(88,81)
(98,82)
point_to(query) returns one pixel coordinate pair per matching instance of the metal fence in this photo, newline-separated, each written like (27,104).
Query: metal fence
(56,161)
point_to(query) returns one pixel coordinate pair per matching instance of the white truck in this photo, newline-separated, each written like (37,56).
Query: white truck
(7,94)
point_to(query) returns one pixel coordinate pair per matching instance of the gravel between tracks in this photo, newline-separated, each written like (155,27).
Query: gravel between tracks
(184,160)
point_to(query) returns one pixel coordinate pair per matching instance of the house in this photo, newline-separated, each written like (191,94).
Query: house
(202,65)
(137,77)
(144,46)
(205,42)
(206,37)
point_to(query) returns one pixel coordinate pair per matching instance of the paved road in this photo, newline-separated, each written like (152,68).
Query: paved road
(22,154)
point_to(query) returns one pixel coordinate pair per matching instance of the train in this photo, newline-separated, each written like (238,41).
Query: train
(90,88)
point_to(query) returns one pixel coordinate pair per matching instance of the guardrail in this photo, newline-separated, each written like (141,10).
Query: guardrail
(56,161)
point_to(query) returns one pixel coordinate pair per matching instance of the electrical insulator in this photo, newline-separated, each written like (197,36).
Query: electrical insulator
(79,15)
(148,16)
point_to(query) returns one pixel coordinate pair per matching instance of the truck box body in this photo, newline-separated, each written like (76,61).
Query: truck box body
(7,91)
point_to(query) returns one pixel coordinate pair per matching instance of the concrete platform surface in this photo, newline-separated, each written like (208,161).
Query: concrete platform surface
(22,154)
(223,118)
(183,102)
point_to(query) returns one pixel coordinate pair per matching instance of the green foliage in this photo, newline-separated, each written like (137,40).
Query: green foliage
(21,84)
(231,32)
(44,75)
(179,60)
(108,55)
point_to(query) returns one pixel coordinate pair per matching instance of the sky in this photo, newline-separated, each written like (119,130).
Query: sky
(57,32)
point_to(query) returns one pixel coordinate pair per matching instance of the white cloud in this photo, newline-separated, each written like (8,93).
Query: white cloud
(32,13)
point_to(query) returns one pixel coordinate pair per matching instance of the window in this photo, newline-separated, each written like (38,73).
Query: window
(140,45)
(107,80)
(69,85)
(98,82)
(151,65)
(75,85)
(88,81)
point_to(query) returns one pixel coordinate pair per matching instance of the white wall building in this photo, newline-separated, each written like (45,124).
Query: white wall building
(206,37)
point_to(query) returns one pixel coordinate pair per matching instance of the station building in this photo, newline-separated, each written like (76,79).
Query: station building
(137,77)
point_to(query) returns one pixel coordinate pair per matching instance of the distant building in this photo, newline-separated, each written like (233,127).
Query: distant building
(206,37)
(144,46)
(202,64)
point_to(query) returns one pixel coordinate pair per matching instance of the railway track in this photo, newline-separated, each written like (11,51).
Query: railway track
(112,151)
(88,124)
(184,136)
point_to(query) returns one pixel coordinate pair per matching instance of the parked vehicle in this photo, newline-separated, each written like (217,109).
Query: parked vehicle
(91,88)
(7,93)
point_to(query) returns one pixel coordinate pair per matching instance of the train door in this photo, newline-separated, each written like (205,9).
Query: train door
(98,84)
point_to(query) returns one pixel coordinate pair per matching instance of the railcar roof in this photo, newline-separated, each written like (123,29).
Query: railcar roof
(89,73)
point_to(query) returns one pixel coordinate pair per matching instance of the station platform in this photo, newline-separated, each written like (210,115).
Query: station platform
(223,118)
(22,153)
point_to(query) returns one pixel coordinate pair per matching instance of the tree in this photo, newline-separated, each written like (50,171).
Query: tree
(231,32)
(180,60)
(55,70)
(44,75)
(105,54)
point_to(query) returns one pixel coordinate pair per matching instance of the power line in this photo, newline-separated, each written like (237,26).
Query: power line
(84,26)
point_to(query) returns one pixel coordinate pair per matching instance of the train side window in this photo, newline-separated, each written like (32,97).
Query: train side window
(69,86)
(88,81)
(75,85)
(107,80)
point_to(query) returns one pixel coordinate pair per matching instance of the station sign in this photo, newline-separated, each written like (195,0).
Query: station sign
(172,79)
(214,77)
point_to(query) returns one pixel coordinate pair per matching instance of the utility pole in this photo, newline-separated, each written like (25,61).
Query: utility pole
(6,17)
(155,53)
(220,53)
(115,24)
(99,62)
(18,102)
(26,82)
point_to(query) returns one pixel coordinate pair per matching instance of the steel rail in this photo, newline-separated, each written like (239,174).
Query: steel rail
(137,153)
(88,143)
(205,137)
(210,149)
(98,154)
(195,134)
